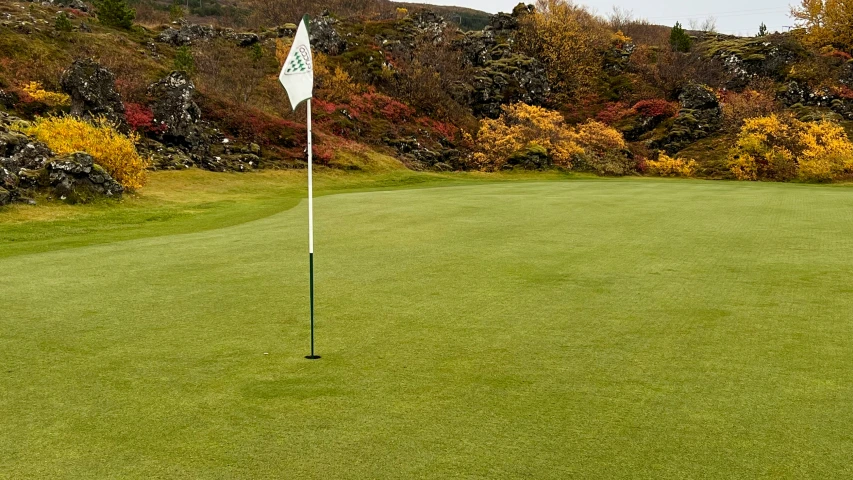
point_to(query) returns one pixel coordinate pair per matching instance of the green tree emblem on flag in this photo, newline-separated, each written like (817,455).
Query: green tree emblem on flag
(299,63)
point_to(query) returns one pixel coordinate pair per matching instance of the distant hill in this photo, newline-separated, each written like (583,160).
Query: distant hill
(466,18)
(245,13)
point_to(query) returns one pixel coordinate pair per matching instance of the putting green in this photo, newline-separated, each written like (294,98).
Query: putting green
(590,329)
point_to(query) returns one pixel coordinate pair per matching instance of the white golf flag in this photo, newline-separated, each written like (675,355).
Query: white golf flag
(297,74)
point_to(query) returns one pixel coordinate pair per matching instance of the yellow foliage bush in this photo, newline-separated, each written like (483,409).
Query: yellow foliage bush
(827,153)
(111,149)
(523,126)
(784,148)
(666,166)
(338,86)
(569,39)
(619,39)
(599,138)
(53,99)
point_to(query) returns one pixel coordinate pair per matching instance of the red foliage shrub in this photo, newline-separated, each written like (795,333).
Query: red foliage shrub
(376,104)
(582,109)
(325,107)
(77,13)
(141,118)
(844,92)
(447,130)
(655,108)
(254,125)
(612,113)
(323,154)
(443,129)
(396,111)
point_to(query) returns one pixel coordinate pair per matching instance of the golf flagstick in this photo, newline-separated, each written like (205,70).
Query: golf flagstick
(297,77)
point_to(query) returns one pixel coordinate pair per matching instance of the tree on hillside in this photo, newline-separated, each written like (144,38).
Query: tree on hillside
(678,39)
(826,22)
(114,13)
(569,40)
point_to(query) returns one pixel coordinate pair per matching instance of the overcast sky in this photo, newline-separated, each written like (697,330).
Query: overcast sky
(733,16)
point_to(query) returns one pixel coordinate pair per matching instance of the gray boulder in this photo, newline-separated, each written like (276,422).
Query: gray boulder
(75,4)
(175,109)
(174,37)
(76,178)
(93,93)
(509,78)
(700,116)
(325,37)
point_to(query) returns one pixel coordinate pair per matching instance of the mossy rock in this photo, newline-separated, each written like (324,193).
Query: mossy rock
(711,155)
(532,157)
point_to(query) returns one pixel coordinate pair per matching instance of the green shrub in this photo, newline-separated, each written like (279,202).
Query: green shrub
(679,40)
(115,13)
(63,23)
(184,61)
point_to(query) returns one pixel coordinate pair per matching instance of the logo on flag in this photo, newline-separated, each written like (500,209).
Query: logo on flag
(300,62)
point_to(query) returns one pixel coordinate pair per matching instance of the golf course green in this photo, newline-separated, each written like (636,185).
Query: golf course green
(570,328)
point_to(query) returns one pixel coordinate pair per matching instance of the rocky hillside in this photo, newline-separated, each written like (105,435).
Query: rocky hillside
(411,84)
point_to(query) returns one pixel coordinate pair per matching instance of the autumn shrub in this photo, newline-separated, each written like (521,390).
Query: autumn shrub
(570,40)
(827,153)
(666,166)
(612,113)
(669,71)
(112,150)
(783,148)
(228,71)
(519,126)
(655,108)
(765,149)
(750,103)
(141,118)
(254,125)
(589,146)
(53,99)
(604,150)
(429,74)
(373,103)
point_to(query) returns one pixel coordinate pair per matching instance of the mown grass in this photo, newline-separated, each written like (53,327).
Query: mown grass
(632,328)
(194,200)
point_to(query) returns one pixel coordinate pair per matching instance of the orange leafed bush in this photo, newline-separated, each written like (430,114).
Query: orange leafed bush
(111,149)
(666,166)
(751,103)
